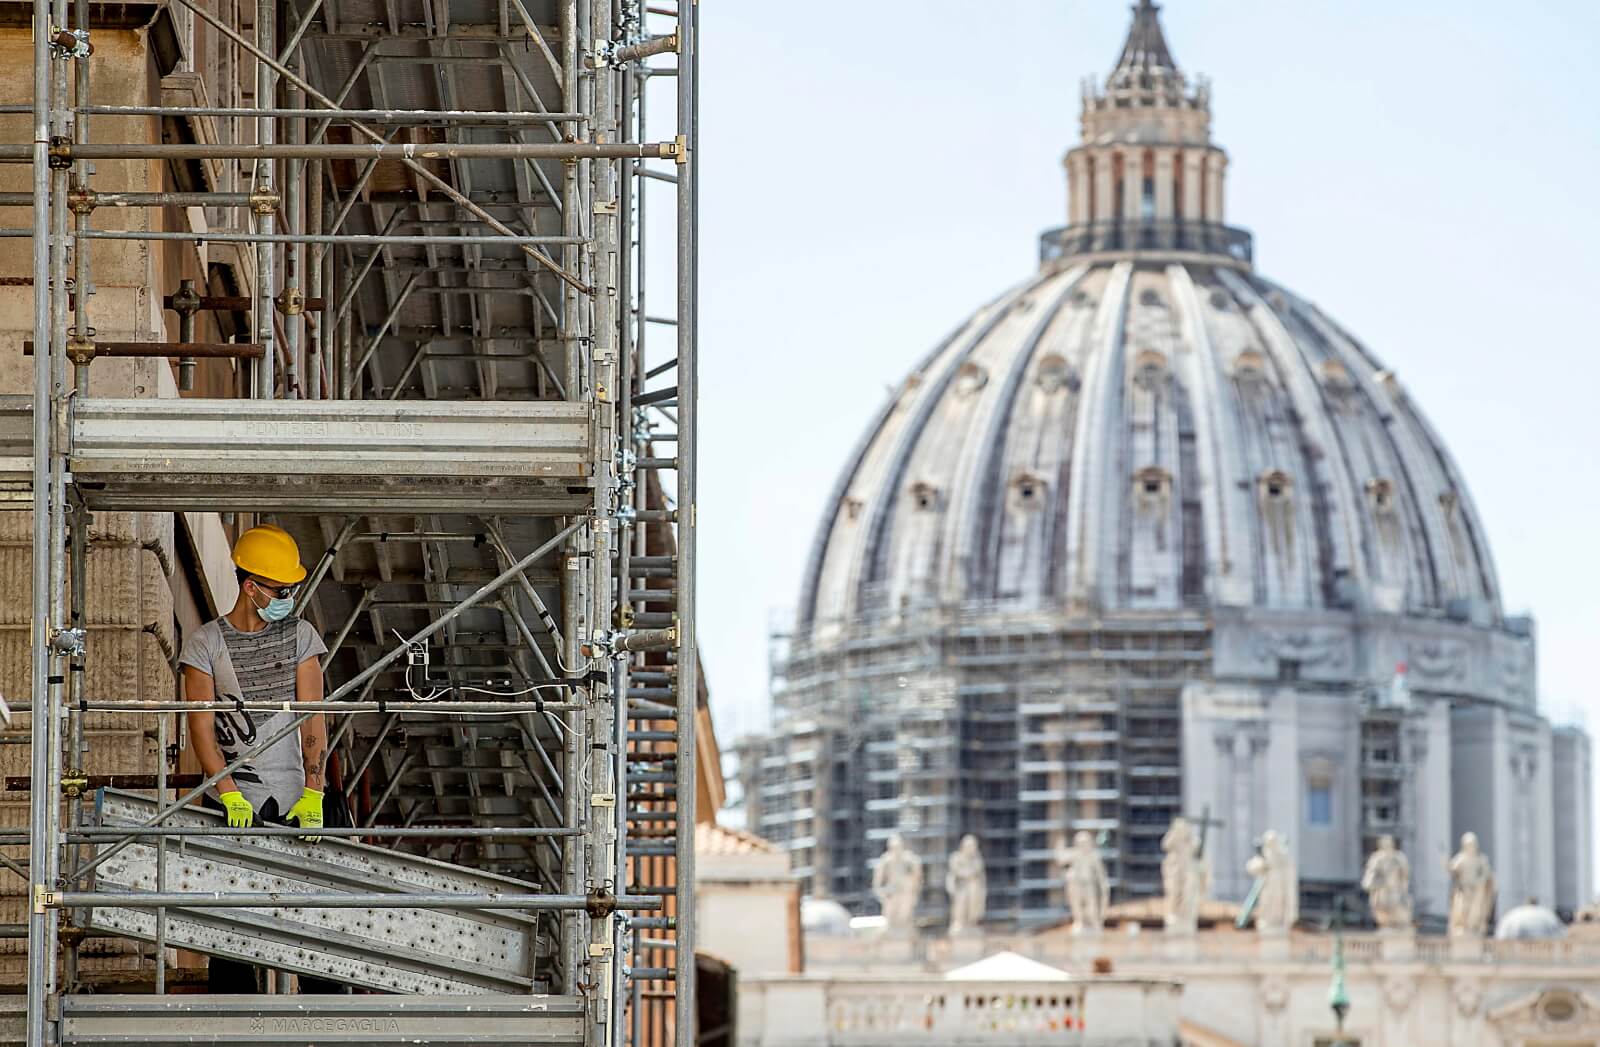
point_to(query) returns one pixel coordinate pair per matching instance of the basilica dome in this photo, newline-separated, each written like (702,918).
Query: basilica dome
(1148,424)
(1150,535)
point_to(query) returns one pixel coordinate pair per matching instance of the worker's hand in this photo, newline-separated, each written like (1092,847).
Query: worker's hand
(240,813)
(307,813)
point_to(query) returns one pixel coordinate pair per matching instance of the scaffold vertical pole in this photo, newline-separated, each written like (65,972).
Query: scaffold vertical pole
(41,918)
(688,664)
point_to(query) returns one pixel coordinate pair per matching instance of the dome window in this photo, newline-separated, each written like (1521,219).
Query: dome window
(1275,486)
(925,496)
(1150,296)
(970,378)
(1380,493)
(1149,369)
(1220,301)
(1150,483)
(852,508)
(1336,382)
(1028,490)
(1055,373)
(1249,366)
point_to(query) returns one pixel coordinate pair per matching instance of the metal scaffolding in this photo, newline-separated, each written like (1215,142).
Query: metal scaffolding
(433,359)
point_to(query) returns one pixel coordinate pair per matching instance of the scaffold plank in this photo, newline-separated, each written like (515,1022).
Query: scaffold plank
(158,1021)
(439,951)
(314,456)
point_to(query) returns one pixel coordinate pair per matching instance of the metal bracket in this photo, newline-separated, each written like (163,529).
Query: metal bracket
(81,348)
(263,201)
(75,782)
(599,949)
(601,904)
(291,301)
(44,898)
(603,800)
(680,150)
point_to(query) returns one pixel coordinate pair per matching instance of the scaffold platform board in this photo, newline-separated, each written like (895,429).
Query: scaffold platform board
(513,456)
(419,951)
(160,1021)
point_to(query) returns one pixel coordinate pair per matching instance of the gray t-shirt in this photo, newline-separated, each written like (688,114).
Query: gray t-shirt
(264,662)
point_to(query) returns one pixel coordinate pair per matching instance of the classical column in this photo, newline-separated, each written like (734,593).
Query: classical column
(1077,187)
(1193,180)
(1216,165)
(1104,195)
(1132,183)
(1165,161)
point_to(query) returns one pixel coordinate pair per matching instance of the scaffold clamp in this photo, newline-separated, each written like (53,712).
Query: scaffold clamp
(68,641)
(60,153)
(70,43)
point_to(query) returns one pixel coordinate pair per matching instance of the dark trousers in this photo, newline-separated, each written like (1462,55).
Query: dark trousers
(237,978)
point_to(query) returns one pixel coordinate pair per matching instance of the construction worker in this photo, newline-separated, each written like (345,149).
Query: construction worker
(260,651)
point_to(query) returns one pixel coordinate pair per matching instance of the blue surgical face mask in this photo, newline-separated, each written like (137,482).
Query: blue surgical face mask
(276,610)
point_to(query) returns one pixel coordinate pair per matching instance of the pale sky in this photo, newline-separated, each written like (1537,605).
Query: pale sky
(1424,171)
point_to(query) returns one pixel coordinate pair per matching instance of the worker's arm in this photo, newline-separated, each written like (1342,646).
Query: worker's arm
(314,732)
(200,687)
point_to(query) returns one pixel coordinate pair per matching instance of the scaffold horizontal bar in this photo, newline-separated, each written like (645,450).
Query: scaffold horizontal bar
(66,152)
(385,116)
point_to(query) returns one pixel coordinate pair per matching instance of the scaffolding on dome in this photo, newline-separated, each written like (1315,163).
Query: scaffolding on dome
(431,269)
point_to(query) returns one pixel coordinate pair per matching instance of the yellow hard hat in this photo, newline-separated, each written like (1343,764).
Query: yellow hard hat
(270,552)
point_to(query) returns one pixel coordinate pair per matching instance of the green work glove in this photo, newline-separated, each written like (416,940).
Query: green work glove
(240,813)
(307,813)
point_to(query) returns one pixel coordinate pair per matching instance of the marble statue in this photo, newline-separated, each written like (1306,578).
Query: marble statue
(1387,881)
(1088,887)
(897,881)
(1471,889)
(968,886)
(1278,894)
(1184,877)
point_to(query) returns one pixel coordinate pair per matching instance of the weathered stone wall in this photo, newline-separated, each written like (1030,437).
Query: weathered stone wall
(131,558)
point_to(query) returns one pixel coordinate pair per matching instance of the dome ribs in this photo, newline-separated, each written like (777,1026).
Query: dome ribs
(1464,568)
(1230,561)
(972,432)
(1150,550)
(873,549)
(835,552)
(1327,481)
(1097,466)
(975,527)
(1399,540)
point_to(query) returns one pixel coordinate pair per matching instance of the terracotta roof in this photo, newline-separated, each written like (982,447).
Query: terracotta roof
(710,838)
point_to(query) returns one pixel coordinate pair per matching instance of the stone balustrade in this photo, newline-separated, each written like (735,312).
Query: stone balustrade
(892,1011)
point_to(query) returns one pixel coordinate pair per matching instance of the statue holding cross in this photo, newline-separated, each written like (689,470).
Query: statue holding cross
(1185,877)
